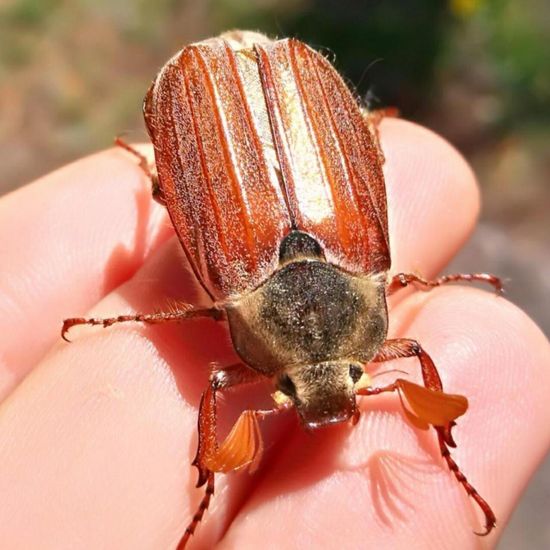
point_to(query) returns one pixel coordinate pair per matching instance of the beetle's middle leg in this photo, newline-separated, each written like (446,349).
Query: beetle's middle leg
(404,347)
(148,318)
(243,446)
(401,280)
(147,167)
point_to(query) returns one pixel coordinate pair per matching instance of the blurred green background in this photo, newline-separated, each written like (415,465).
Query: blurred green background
(73,74)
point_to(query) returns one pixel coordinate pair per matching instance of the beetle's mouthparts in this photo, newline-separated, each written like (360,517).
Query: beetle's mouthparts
(325,413)
(327,420)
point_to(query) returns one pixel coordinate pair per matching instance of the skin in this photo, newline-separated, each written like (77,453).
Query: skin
(98,435)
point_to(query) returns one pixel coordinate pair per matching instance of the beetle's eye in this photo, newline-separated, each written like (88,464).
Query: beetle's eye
(355,373)
(286,385)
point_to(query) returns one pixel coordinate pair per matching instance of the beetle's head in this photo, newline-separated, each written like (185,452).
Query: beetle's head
(323,393)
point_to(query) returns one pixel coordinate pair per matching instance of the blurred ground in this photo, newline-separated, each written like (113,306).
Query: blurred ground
(73,75)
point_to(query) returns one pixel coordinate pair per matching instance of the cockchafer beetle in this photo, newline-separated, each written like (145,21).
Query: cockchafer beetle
(271,172)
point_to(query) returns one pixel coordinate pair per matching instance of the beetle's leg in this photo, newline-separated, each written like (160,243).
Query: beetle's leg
(148,168)
(234,375)
(242,447)
(203,506)
(143,162)
(208,444)
(150,318)
(401,280)
(490,518)
(404,347)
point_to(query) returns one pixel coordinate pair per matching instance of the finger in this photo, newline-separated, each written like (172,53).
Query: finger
(104,424)
(69,239)
(132,362)
(382,483)
(433,199)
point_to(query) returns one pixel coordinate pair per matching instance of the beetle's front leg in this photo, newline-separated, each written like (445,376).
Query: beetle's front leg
(402,280)
(242,447)
(436,408)
(405,347)
(220,379)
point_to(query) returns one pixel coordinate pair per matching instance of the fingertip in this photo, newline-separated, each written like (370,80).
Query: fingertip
(433,198)
(489,350)
(74,235)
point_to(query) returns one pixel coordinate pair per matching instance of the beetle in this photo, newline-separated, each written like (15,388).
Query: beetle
(271,172)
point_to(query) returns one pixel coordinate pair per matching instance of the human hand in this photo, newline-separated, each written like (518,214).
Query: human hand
(96,442)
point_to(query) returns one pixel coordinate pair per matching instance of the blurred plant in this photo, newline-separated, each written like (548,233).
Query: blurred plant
(501,49)
(72,74)
(387,49)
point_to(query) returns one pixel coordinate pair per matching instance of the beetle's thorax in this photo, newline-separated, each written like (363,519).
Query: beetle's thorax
(308,312)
